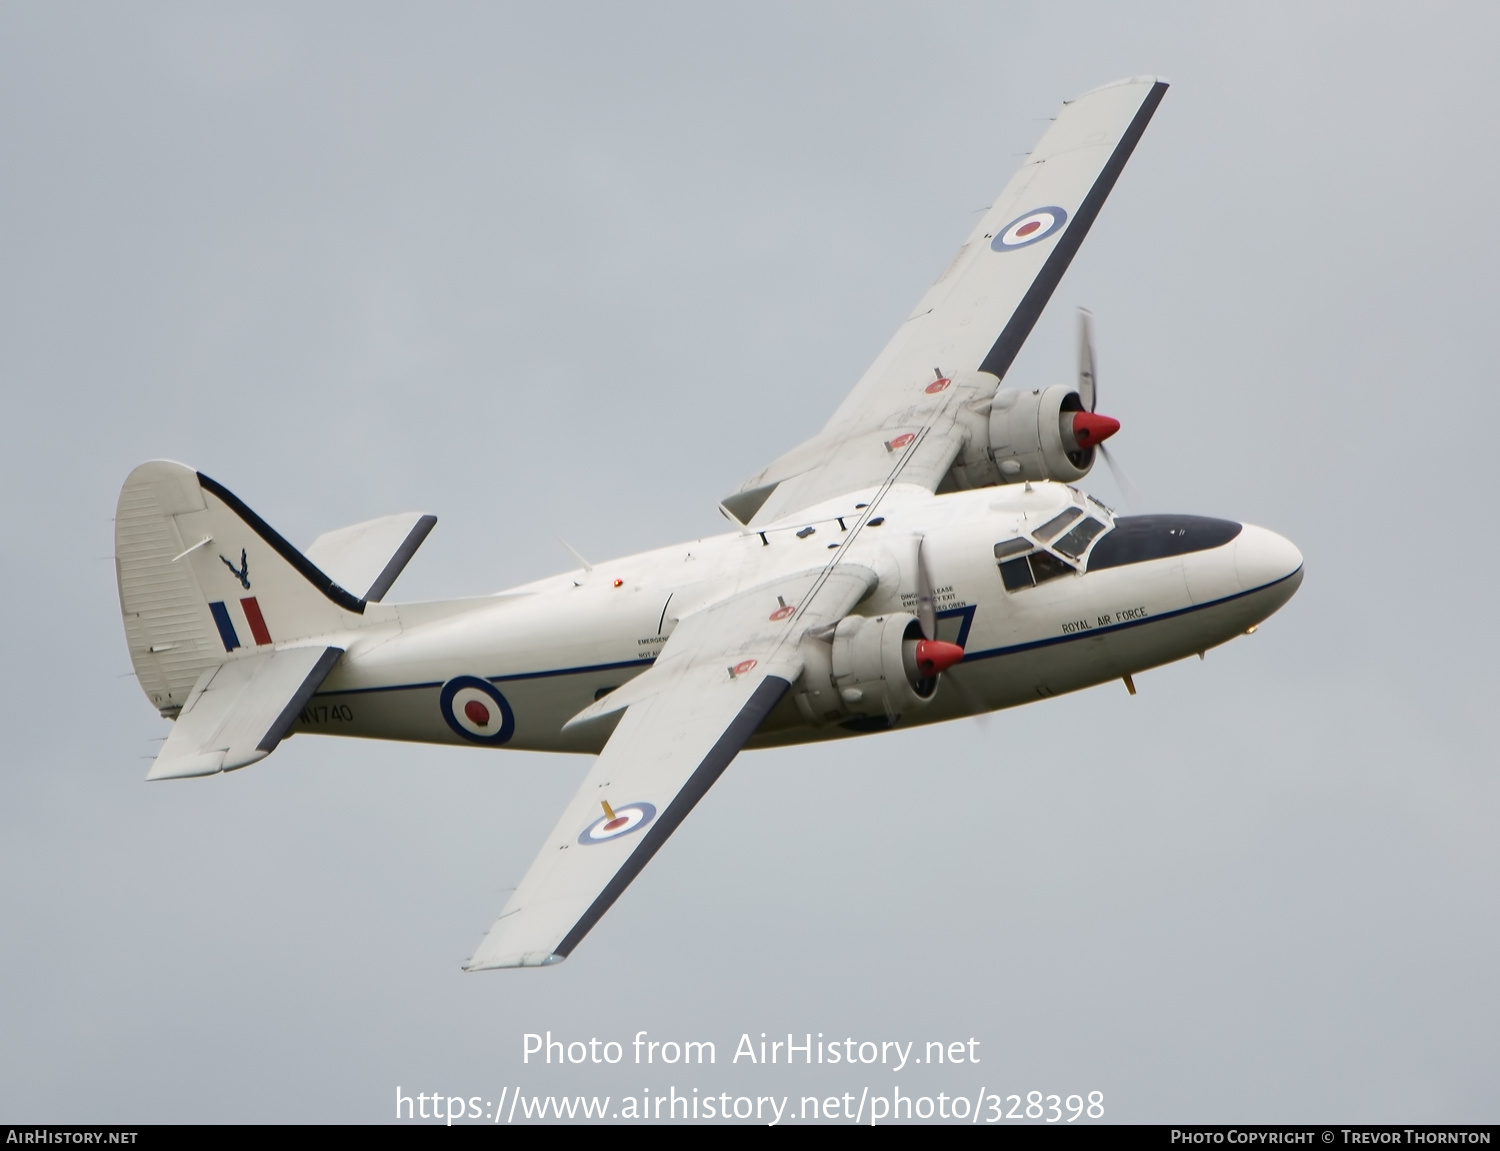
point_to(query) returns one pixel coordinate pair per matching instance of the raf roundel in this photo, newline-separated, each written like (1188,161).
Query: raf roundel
(1037,224)
(619,821)
(476,711)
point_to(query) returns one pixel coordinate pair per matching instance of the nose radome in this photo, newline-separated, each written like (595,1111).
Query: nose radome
(1262,558)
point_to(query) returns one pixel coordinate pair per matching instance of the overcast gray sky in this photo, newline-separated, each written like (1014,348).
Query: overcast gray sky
(579,270)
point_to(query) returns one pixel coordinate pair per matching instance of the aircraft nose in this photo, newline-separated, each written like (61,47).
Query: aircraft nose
(1262,558)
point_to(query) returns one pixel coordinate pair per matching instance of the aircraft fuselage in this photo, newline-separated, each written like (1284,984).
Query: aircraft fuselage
(1148,591)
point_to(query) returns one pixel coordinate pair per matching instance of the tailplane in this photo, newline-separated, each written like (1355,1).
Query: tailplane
(206,584)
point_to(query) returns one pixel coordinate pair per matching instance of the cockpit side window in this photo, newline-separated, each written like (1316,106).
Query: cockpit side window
(1016,574)
(1045,566)
(1022,565)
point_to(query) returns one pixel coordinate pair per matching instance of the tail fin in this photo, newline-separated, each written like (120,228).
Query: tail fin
(204,580)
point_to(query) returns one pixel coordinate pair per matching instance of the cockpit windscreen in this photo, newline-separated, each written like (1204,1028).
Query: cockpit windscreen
(1077,541)
(1056,524)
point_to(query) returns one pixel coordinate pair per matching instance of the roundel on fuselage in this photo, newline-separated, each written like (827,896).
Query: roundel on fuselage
(477,711)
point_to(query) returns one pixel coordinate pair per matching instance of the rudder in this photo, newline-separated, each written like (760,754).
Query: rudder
(203,579)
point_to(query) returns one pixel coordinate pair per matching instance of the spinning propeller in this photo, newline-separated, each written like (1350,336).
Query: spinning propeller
(934,656)
(1089,429)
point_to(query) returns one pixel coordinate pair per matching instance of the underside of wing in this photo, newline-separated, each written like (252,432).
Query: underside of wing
(664,756)
(718,677)
(961,338)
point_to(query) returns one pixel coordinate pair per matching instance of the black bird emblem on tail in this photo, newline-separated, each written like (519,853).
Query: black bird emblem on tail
(241,573)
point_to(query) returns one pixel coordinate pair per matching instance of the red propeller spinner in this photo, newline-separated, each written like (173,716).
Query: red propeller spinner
(934,656)
(1090,428)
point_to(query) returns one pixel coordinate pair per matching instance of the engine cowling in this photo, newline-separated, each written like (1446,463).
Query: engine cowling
(876,668)
(1044,435)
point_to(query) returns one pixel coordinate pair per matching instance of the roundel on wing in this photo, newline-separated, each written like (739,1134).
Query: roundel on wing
(476,711)
(1037,224)
(625,819)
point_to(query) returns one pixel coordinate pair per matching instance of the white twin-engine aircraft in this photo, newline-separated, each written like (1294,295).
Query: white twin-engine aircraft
(920,559)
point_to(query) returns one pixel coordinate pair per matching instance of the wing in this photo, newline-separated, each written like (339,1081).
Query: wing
(961,338)
(719,676)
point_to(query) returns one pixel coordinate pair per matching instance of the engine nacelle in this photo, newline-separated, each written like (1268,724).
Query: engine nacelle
(1036,435)
(867,668)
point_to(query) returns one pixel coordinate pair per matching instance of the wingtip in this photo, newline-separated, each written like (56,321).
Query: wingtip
(188,766)
(530,959)
(1123,82)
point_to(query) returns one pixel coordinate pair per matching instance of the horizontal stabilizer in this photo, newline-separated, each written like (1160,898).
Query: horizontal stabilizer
(240,710)
(366,558)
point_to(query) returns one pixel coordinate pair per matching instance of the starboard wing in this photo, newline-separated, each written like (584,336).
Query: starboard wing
(960,339)
(719,675)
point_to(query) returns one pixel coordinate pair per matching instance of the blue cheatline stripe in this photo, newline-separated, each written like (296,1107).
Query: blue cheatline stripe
(226,625)
(966,612)
(574,670)
(586,669)
(1053,641)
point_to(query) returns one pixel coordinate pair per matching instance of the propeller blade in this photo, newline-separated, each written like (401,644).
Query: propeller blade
(1087,381)
(1122,481)
(1088,393)
(926,613)
(972,703)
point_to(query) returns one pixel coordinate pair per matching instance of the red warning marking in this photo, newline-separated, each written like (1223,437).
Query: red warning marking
(257,621)
(743,666)
(782,612)
(1027,229)
(900,441)
(477,713)
(937,385)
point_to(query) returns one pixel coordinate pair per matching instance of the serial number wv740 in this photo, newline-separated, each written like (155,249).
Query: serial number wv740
(327,713)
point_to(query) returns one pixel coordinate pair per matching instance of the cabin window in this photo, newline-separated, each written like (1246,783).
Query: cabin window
(1027,570)
(1077,541)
